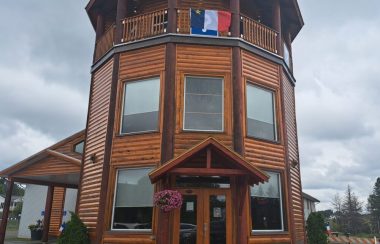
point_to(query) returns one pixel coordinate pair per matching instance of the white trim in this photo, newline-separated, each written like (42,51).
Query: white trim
(123,106)
(184,103)
(114,202)
(281,208)
(273,111)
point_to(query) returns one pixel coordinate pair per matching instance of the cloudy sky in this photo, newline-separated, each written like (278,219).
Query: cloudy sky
(46,51)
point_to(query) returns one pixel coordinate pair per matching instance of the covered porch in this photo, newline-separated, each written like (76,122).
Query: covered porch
(57,168)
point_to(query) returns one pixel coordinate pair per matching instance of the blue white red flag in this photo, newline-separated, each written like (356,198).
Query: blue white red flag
(209,22)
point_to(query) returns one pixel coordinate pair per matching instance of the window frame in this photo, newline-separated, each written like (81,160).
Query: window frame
(274,93)
(134,231)
(76,143)
(124,89)
(184,103)
(282,202)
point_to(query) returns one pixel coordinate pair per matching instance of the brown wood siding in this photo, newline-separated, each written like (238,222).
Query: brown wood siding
(95,145)
(56,211)
(209,62)
(263,154)
(137,150)
(260,70)
(142,63)
(68,147)
(152,5)
(203,4)
(295,179)
(143,149)
(49,166)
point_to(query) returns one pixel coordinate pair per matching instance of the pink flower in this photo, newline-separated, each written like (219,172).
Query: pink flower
(167,200)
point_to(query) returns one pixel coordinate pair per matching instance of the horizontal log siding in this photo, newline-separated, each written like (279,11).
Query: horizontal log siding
(49,166)
(295,179)
(142,63)
(203,4)
(95,145)
(56,211)
(143,149)
(262,72)
(68,147)
(202,61)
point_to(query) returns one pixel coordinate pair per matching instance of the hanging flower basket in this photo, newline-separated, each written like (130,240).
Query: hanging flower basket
(167,200)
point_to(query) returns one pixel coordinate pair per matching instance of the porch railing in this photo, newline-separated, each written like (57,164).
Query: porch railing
(145,25)
(105,42)
(259,34)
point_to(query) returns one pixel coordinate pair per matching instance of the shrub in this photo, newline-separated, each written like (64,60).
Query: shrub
(75,232)
(316,229)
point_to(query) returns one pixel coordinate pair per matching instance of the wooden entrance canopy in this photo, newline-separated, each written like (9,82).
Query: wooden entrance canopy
(210,158)
(55,166)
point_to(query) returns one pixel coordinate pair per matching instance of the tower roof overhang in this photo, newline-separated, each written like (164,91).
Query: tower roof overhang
(234,164)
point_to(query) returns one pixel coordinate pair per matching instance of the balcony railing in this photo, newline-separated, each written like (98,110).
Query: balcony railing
(145,25)
(105,42)
(155,23)
(259,34)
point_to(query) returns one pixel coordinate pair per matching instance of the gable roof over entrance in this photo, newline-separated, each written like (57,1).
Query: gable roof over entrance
(210,158)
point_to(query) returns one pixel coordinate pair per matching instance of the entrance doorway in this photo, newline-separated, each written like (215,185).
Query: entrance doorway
(204,218)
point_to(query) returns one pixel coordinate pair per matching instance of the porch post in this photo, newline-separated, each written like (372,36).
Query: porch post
(48,205)
(7,204)
(235,18)
(277,25)
(172,16)
(121,13)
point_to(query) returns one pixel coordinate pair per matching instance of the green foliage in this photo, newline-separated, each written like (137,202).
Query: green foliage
(75,232)
(17,210)
(315,227)
(374,207)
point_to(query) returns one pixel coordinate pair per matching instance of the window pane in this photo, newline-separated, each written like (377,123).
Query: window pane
(141,105)
(266,204)
(79,147)
(260,113)
(134,200)
(196,121)
(203,104)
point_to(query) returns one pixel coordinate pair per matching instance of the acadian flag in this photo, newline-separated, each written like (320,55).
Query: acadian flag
(209,22)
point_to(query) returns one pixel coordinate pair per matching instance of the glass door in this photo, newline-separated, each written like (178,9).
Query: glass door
(204,218)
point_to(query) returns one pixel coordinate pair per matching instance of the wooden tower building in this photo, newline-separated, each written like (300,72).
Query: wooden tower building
(195,96)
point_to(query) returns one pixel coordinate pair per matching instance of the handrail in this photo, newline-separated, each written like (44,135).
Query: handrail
(105,42)
(259,34)
(145,25)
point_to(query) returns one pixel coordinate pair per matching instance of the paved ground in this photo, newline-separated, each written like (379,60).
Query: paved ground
(11,238)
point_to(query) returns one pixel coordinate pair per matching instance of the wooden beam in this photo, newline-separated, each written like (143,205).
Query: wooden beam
(44,183)
(235,18)
(121,14)
(7,204)
(47,215)
(238,101)
(64,157)
(208,172)
(208,158)
(172,16)
(277,25)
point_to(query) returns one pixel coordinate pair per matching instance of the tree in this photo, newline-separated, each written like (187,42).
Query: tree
(315,226)
(351,212)
(373,206)
(337,221)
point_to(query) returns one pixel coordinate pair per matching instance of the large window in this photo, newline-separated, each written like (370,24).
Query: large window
(203,104)
(133,204)
(266,205)
(141,106)
(261,113)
